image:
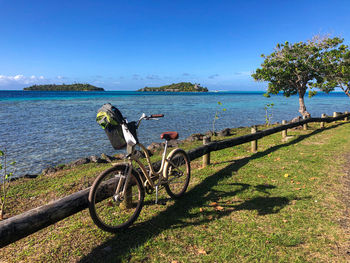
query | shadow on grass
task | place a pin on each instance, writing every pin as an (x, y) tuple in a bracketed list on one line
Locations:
[(180, 214)]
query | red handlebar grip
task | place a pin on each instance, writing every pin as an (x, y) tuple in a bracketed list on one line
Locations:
[(157, 115)]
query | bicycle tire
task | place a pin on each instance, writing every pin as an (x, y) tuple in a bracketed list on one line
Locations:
[(177, 173), (113, 215)]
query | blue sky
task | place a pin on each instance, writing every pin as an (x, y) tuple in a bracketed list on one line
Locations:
[(126, 45)]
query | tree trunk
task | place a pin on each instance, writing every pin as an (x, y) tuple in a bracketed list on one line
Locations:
[(302, 107), (346, 90), (2, 212)]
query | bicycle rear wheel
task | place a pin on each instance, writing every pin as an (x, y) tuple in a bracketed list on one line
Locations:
[(108, 209), (177, 171)]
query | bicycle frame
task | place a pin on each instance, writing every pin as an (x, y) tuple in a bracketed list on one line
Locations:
[(147, 174)]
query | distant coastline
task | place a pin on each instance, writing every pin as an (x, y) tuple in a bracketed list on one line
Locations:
[(177, 87), (64, 87)]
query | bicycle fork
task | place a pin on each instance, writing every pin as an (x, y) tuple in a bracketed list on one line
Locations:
[(122, 184)]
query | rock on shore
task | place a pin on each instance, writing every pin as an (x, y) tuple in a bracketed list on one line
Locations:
[(153, 147)]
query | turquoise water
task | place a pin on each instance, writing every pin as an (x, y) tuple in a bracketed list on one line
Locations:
[(40, 129)]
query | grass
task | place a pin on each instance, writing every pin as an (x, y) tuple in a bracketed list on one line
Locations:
[(281, 204)]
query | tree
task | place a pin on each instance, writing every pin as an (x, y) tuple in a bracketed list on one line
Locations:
[(268, 115), (338, 68), (294, 68), (217, 115), (5, 180)]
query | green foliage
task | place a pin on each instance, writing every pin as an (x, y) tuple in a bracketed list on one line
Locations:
[(294, 68), (268, 113), (178, 87), (312, 93), (216, 117), (6, 174), (64, 87), (266, 95), (338, 68)]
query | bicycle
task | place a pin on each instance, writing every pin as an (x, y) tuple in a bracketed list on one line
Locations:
[(117, 194)]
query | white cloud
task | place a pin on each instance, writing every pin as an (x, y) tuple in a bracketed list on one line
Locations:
[(61, 78), (244, 73), (9, 78), (18, 77), (19, 80), (213, 76), (153, 77), (98, 82), (136, 77)]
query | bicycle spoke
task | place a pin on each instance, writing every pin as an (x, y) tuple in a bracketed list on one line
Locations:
[(178, 173), (109, 209)]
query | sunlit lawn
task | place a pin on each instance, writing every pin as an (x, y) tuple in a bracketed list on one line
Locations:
[(281, 204)]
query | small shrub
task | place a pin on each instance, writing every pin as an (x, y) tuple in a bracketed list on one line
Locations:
[(268, 113), (217, 115), (6, 174)]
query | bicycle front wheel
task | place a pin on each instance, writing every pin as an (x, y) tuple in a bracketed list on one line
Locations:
[(109, 209), (177, 170)]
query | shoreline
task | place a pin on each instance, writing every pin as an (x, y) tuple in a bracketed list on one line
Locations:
[(152, 148)]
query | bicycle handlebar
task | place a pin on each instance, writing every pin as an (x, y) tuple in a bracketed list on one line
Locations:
[(153, 116), (157, 116)]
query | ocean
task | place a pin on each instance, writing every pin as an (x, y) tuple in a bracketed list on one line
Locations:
[(41, 129)]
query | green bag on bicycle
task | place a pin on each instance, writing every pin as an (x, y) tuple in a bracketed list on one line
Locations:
[(111, 120)]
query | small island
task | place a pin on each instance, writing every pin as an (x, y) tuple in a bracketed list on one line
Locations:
[(64, 87), (178, 87)]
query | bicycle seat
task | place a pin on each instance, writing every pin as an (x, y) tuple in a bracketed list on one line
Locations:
[(169, 136)]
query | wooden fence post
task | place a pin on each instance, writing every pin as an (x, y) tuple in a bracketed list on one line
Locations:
[(254, 147), (335, 114), (127, 202), (206, 157), (322, 123), (346, 118), (305, 125), (284, 132)]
